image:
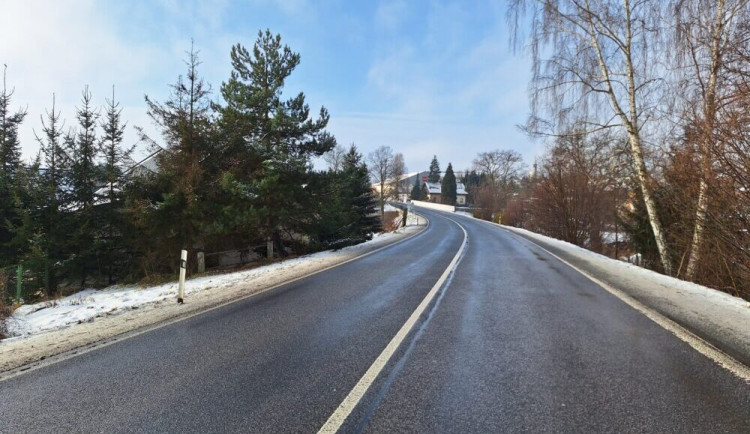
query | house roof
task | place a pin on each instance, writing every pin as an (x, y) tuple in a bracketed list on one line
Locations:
[(432, 187), (149, 163), (407, 175), (435, 188)]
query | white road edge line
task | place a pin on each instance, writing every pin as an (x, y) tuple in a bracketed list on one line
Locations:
[(699, 344), (351, 400), (86, 348)]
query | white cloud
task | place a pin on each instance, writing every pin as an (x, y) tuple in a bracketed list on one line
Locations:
[(58, 47), (448, 93), (433, 89)]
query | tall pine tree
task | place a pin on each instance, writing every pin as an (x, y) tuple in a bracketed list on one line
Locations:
[(416, 191), (362, 203), (274, 139)]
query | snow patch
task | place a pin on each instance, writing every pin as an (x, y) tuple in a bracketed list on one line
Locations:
[(86, 305)]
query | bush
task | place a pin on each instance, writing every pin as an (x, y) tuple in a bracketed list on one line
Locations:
[(391, 221)]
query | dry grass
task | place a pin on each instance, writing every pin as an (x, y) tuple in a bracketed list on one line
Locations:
[(391, 221)]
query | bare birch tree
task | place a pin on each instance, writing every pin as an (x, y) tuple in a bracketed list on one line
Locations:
[(398, 170), (707, 35), (500, 167), (335, 158), (601, 70), (380, 164)]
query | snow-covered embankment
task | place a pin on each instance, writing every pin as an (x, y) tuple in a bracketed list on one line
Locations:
[(43, 329)]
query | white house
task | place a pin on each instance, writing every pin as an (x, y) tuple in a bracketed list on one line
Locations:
[(433, 192)]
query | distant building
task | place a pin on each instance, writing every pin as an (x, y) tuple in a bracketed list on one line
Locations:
[(433, 193), (146, 167), (432, 190), (404, 185)]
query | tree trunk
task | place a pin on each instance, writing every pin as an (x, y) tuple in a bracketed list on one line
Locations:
[(630, 121), (700, 224), (709, 115), (653, 215)]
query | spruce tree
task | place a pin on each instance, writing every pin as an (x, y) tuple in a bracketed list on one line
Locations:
[(448, 186), (342, 206), (111, 249), (10, 146), (416, 191), (174, 210), (53, 224), (110, 146), (363, 205), (30, 240), (273, 140), (84, 181), (10, 166), (434, 175), (83, 154)]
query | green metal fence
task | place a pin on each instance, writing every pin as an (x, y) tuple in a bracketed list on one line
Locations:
[(19, 283)]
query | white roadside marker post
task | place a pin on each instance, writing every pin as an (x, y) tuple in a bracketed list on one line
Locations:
[(181, 287)]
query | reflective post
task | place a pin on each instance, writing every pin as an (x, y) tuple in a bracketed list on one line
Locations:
[(181, 288)]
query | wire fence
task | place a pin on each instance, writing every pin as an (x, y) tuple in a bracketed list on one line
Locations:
[(234, 257)]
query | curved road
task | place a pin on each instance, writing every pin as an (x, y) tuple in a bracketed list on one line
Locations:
[(513, 341)]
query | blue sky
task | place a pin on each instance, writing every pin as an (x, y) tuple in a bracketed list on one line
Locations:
[(424, 77)]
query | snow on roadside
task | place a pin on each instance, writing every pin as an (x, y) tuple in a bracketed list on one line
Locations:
[(465, 213), (641, 273), (86, 305), (637, 272), (718, 317)]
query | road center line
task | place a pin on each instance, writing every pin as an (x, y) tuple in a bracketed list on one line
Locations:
[(351, 400)]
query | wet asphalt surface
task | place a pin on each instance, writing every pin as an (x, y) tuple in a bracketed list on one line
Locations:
[(515, 342)]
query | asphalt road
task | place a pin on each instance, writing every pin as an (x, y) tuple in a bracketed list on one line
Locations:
[(514, 341)]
